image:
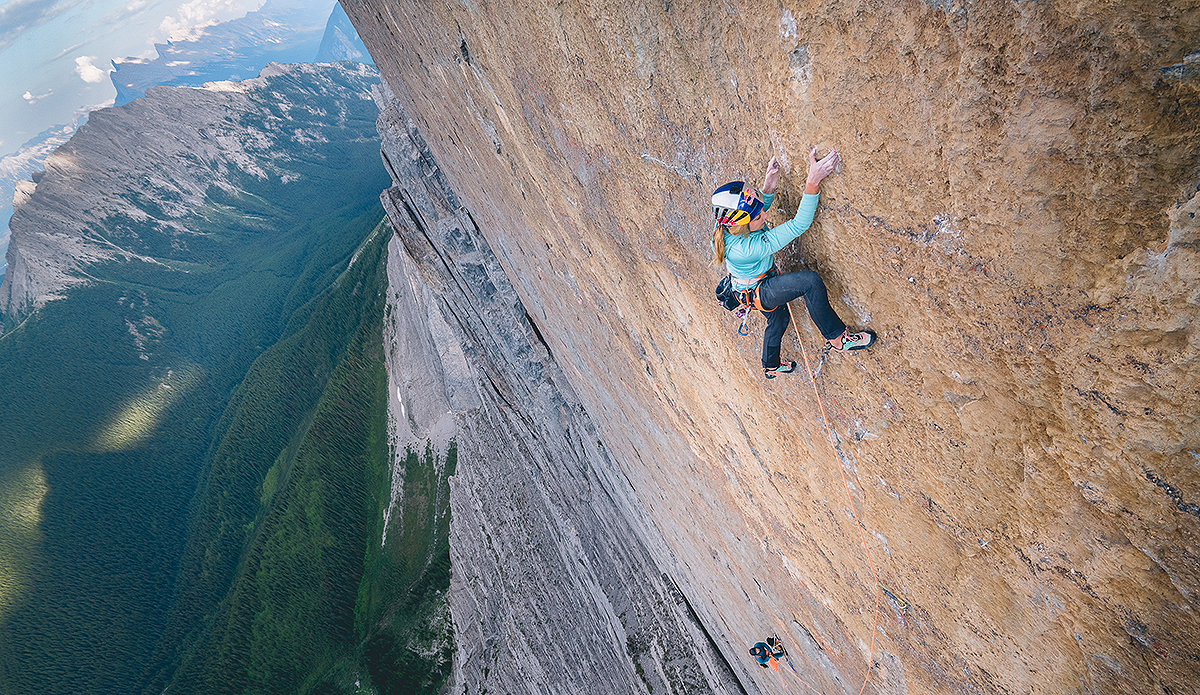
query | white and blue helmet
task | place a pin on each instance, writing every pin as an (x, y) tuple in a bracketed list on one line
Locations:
[(734, 204)]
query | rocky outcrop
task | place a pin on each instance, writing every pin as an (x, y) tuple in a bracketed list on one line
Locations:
[(1015, 216), (106, 195), (19, 165)]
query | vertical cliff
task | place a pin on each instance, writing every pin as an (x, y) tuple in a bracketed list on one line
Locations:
[(1015, 216), (554, 588)]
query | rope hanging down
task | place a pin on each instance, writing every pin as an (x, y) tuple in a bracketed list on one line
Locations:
[(853, 511)]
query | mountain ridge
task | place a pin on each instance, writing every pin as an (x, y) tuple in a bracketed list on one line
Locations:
[(68, 220), (114, 392)]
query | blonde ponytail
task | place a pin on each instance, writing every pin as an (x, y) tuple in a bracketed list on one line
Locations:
[(718, 243)]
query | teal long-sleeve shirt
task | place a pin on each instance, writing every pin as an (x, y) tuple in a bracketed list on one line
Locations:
[(750, 255)]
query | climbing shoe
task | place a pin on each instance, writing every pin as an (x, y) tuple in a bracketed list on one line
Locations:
[(848, 341), (787, 368)]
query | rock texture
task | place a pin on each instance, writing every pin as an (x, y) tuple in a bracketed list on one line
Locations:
[(19, 165), (553, 588), (1015, 216), (98, 194)]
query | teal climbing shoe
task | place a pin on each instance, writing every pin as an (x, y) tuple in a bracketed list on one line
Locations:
[(848, 341)]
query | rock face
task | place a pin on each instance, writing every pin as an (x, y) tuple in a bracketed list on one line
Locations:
[(554, 588), (1015, 216), (19, 165), (97, 195)]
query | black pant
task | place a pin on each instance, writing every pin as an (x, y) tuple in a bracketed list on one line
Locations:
[(777, 291)]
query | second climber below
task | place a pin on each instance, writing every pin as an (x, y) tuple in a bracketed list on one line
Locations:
[(746, 245)]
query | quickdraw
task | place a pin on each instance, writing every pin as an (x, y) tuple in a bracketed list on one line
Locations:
[(749, 299)]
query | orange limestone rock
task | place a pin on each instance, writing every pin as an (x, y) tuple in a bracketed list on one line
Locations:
[(1015, 215)]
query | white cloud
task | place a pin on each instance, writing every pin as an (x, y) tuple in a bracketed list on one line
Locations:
[(88, 72), (34, 98), (126, 11), (193, 17)]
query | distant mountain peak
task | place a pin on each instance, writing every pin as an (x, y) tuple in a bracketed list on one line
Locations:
[(341, 41), (234, 50)]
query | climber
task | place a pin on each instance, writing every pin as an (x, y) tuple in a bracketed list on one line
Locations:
[(767, 652), (743, 242)]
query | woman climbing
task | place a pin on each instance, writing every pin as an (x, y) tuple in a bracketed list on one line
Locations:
[(743, 242), (766, 652)]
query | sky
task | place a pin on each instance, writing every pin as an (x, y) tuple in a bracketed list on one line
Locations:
[(55, 55)]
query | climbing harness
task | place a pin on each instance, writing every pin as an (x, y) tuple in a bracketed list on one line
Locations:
[(853, 510), (747, 289), (748, 298), (777, 654)]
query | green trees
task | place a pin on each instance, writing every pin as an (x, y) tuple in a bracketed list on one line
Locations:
[(279, 536), (194, 453), (313, 597)]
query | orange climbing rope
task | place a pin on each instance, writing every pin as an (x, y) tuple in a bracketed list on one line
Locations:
[(853, 511)]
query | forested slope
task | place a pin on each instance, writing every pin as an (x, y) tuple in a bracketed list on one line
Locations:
[(197, 416)]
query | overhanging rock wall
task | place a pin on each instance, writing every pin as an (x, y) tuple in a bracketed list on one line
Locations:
[(1015, 216)]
